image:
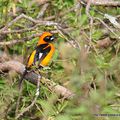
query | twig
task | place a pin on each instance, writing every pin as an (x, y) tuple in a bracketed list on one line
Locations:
[(42, 11), (19, 31), (33, 101), (20, 41), (27, 29), (87, 9), (91, 25), (27, 108), (91, 19), (104, 2), (68, 38), (47, 23), (15, 20), (18, 101), (63, 13), (12, 42), (118, 37)]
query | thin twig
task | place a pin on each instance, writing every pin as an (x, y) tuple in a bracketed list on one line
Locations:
[(19, 40), (34, 100), (19, 31), (13, 42), (63, 13), (16, 19), (118, 37), (42, 11), (104, 2), (18, 100), (68, 38), (91, 19), (47, 23), (27, 29), (27, 108)]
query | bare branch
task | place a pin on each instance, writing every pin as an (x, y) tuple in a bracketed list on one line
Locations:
[(47, 23), (16, 19), (19, 31), (27, 108), (111, 30), (33, 77), (104, 2), (17, 41), (68, 38), (63, 13), (42, 11), (11, 42)]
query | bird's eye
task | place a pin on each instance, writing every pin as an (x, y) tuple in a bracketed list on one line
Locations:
[(47, 38)]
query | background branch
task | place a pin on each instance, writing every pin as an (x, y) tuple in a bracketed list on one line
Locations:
[(104, 2)]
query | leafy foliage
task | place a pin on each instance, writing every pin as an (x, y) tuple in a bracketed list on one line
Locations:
[(75, 69)]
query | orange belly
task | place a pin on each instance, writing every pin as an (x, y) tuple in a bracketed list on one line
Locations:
[(47, 59)]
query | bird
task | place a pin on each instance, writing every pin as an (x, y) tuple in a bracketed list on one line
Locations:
[(41, 55)]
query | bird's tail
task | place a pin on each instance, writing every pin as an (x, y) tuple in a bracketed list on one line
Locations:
[(22, 78), (20, 90)]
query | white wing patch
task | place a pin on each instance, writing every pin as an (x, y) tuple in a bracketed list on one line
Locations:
[(40, 55)]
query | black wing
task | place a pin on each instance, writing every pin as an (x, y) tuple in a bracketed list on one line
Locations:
[(41, 52)]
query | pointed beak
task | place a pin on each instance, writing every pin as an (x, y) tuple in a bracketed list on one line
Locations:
[(52, 38)]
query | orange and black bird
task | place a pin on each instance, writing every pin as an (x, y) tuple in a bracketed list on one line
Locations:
[(41, 55)]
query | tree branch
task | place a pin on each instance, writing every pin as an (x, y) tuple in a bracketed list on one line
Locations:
[(47, 23), (32, 77), (104, 2), (42, 11)]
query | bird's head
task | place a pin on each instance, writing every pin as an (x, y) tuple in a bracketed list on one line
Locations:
[(46, 37)]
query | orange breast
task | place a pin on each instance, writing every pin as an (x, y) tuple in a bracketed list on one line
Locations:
[(47, 59)]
